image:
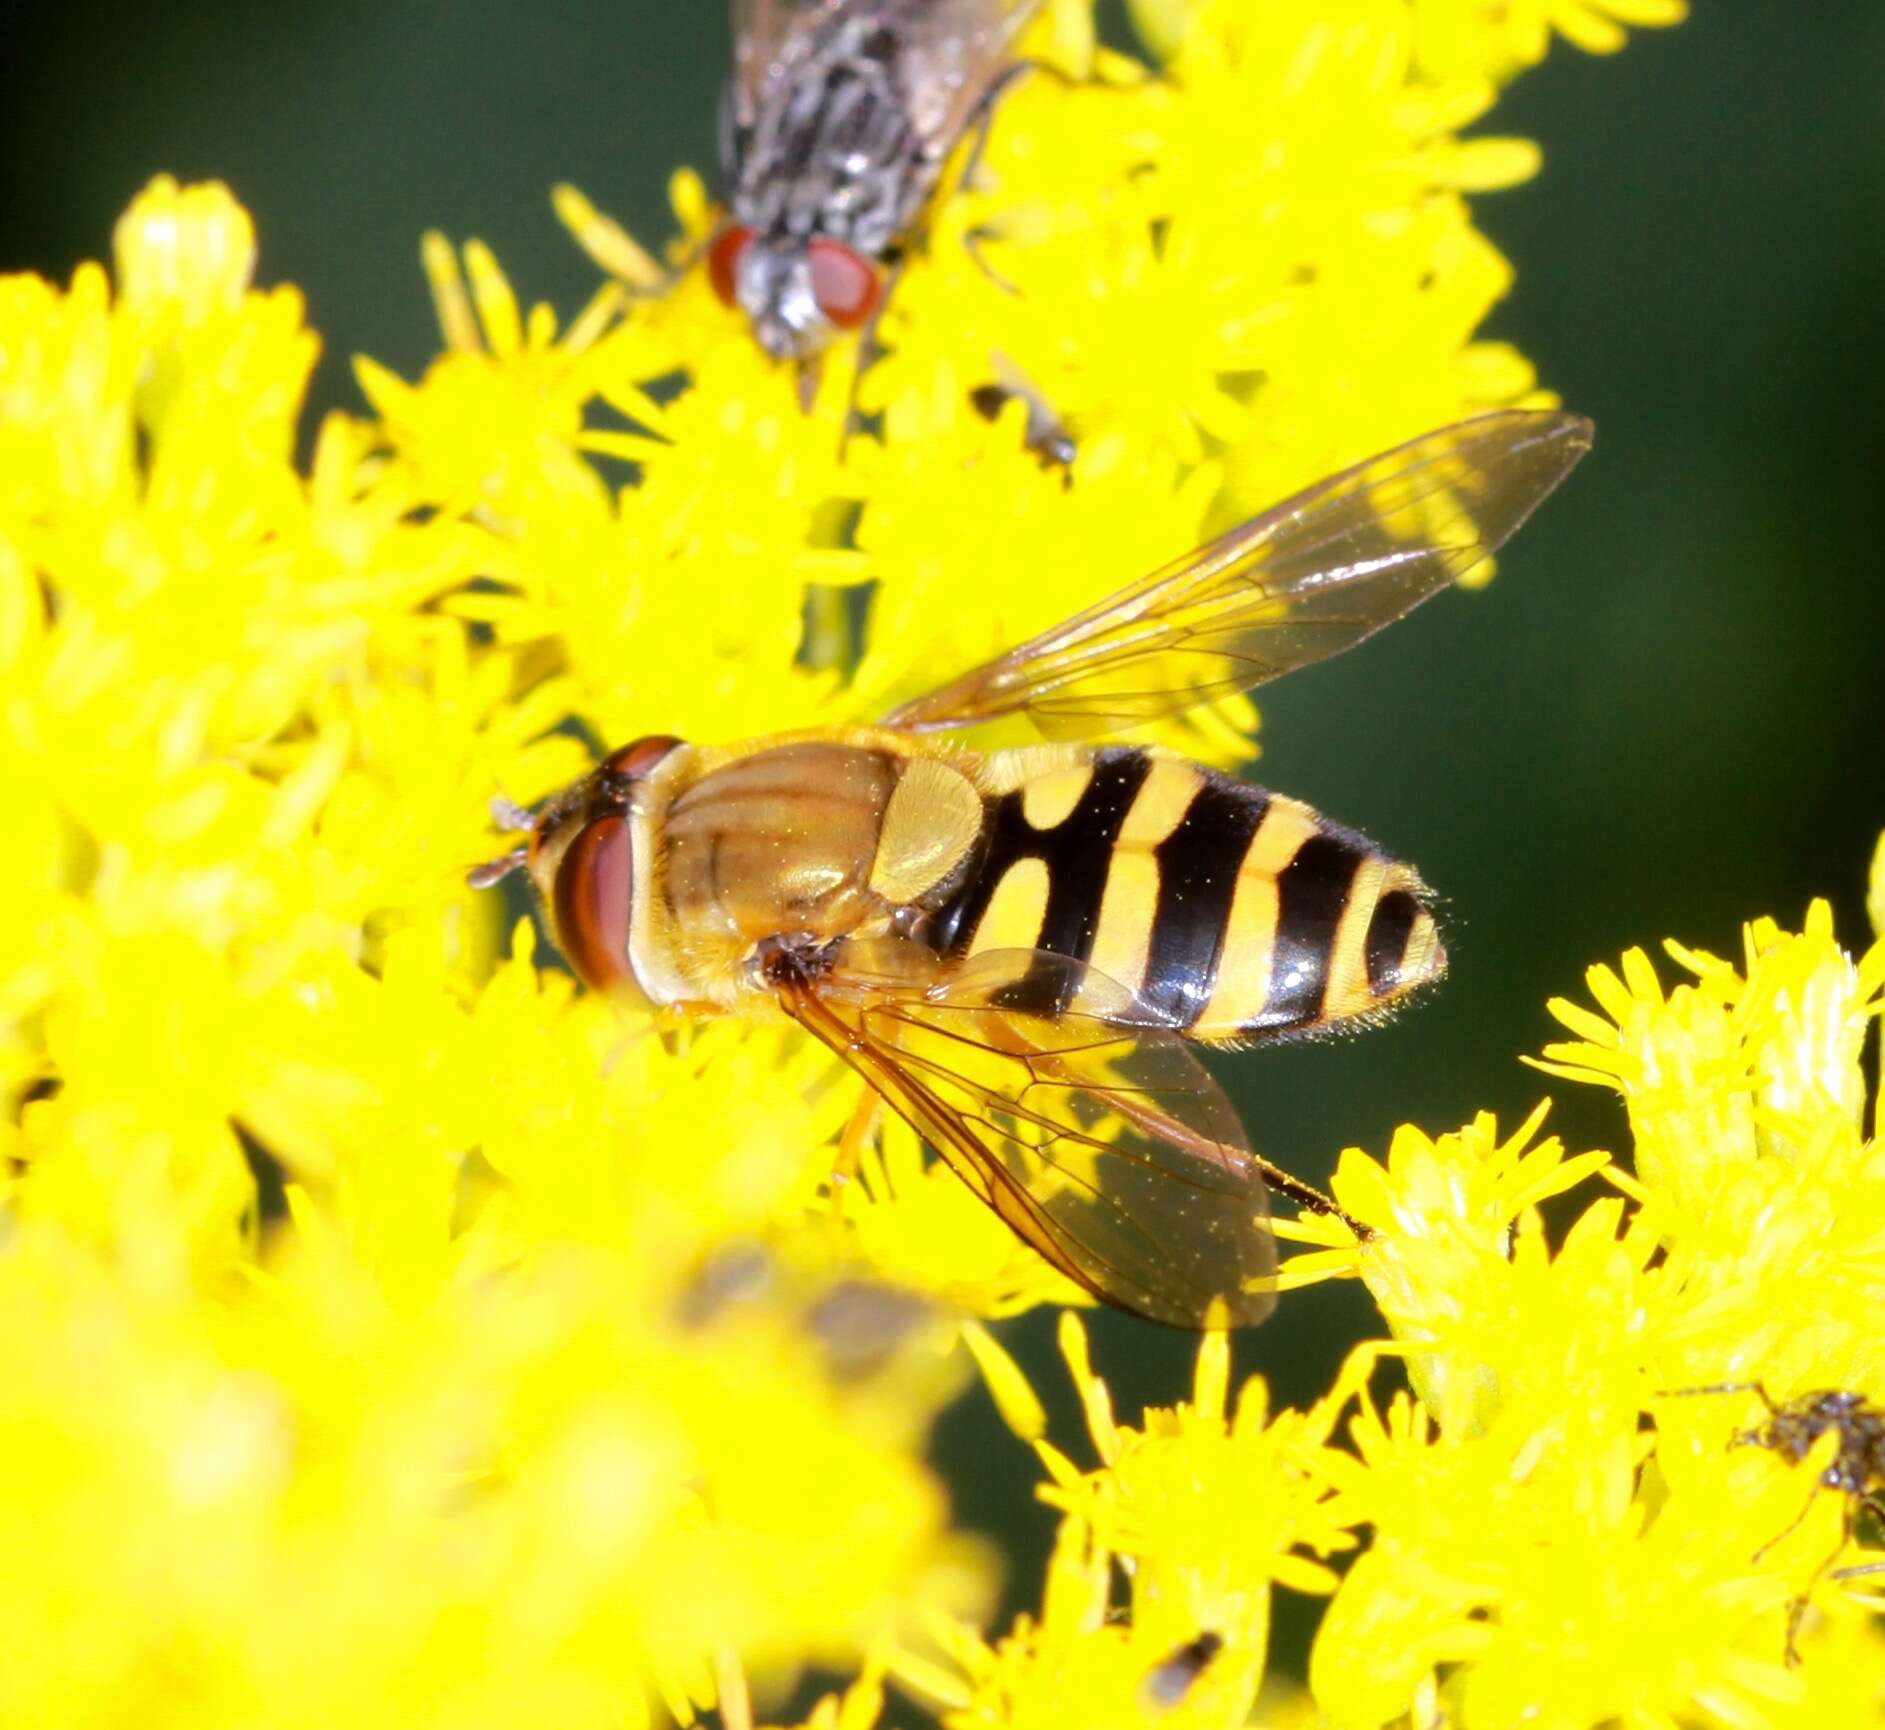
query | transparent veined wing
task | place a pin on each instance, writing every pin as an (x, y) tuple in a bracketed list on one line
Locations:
[(1305, 580), (952, 53), (1091, 1130), (770, 38)]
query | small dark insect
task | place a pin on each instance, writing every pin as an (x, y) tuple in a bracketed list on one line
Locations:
[(1171, 1679), (1856, 1470), (860, 1323), (1046, 434), (737, 1273), (834, 132)]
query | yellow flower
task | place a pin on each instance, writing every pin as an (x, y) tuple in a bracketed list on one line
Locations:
[(1561, 1528), (396, 1334), (1500, 38), (1875, 894)]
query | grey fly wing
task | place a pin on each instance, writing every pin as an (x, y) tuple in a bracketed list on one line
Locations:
[(952, 52), (770, 40)]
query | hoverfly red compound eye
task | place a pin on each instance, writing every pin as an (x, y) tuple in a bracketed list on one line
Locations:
[(594, 880), (723, 262), (844, 284), (641, 758)]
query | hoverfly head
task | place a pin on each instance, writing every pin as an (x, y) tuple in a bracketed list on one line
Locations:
[(580, 854)]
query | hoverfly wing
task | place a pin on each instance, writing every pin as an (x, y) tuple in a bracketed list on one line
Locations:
[(1305, 580), (1092, 1131)]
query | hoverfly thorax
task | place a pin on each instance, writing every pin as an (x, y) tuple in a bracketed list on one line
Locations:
[(588, 855)]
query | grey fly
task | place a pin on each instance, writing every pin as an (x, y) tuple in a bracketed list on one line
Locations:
[(836, 125)]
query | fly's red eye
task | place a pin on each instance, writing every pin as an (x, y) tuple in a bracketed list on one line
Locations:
[(723, 261), (594, 880), (844, 285), (641, 758)]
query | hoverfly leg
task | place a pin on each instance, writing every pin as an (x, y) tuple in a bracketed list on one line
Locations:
[(857, 1136), (1307, 1196)]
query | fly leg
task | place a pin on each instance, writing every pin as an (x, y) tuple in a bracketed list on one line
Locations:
[(982, 115), (869, 351), (1856, 1572), (1796, 1613), (1047, 436), (981, 120)]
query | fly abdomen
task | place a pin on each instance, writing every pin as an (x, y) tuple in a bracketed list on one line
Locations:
[(1232, 912)]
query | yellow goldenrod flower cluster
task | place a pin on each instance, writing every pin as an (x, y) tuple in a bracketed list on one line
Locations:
[(1557, 1527), (393, 1334)]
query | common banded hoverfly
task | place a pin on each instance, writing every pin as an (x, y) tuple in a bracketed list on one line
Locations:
[(1017, 948), (834, 132)]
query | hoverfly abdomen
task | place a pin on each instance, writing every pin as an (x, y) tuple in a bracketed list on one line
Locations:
[(1041, 875), (1228, 911), (1336, 932)]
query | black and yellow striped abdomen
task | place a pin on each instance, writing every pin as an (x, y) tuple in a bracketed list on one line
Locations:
[(1235, 912)]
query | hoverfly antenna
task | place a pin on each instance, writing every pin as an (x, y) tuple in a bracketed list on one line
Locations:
[(511, 817), (494, 871)]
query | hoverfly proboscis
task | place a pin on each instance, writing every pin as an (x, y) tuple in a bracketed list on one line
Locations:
[(1017, 948)]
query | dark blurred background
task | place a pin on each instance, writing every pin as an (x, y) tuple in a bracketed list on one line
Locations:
[(1665, 718)]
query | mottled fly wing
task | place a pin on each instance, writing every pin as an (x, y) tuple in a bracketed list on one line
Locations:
[(771, 39), (948, 52), (954, 52)]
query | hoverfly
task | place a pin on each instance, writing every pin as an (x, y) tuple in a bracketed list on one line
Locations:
[(834, 132), (1016, 948)]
